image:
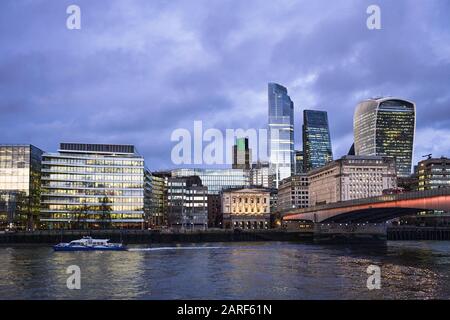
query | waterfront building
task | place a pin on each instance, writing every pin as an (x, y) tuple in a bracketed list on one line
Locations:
[(246, 208), (316, 140), (215, 217), (20, 185), (94, 186), (351, 177), (299, 162), (433, 173), (158, 205), (242, 154), (293, 193), (385, 127), (217, 179), (260, 175), (187, 203), (281, 132)]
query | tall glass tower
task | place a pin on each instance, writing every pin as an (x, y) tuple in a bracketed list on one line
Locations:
[(316, 140), (281, 133), (385, 127)]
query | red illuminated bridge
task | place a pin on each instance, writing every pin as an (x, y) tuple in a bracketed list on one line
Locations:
[(374, 210)]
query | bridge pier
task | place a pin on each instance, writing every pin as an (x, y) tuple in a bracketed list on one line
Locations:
[(348, 232)]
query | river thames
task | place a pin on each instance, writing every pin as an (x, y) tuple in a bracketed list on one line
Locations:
[(261, 270)]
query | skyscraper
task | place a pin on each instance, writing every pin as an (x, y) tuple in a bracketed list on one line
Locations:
[(316, 140), (241, 154), (385, 127), (281, 133)]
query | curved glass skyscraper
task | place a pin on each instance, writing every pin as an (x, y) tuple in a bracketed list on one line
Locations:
[(385, 127), (281, 133)]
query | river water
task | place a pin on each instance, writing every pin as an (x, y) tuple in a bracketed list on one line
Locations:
[(266, 270)]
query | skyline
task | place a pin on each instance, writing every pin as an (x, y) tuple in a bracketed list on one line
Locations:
[(137, 71)]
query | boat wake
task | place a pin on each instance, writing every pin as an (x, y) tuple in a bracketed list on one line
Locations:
[(173, 248)]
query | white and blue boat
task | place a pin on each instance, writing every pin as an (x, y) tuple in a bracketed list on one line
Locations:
[(89, 244)]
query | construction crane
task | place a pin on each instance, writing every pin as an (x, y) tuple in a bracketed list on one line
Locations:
[(429, 156)]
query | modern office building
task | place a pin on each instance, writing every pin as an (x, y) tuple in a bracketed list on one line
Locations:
[(299, 162), (293, 193), (260, 175), (385, 127), (246, 208), (20, 185), (217, 179), (351, 177), (158, 204), (187, 203), (316, 140), (242, 154), (94, 186), (434, 173), (281, 132)]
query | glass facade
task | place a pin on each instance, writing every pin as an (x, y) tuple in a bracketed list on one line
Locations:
[(20, 179), (217, 179), (94, 186), (281, 133), (158, 206), (316, 140), (385, 127)]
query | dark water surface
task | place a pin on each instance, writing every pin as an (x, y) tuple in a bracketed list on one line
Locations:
[(269, 270)]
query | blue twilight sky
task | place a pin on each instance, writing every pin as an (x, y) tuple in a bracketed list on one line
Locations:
[(137, 70)]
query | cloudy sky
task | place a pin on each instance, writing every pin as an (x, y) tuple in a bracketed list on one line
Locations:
[(137, 70)]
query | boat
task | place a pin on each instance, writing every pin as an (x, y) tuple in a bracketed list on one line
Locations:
[(89, 244)]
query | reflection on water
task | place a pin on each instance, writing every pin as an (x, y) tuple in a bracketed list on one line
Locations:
[(410, 270)]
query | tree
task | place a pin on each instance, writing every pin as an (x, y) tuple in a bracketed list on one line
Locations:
[(81, 215)]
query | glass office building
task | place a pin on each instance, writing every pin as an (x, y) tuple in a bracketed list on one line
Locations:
[(20, 179), (94, 186), (158, 203), (281, 133), (385, 127), (316, 140), (217, 179)]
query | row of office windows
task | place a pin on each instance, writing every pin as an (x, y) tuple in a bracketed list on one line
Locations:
[(93, 162), (90, 177), (99, 185)]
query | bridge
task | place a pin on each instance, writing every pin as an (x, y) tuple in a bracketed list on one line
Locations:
[(373, 210)]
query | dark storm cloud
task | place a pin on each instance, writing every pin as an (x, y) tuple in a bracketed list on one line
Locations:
[(137, 70)]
